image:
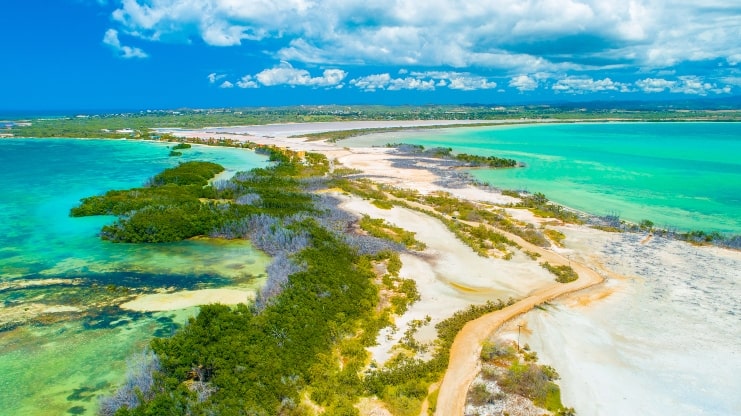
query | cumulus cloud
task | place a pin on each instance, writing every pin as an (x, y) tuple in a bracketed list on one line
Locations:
[(213, 77), (127, 52), (733, 80), (371, 83), (540, 35), (247, 82), (226, 84), (423, 81), (409, 83), (691, 85), (583, 85), (660, 39), (523, 83), (470, 83), (286, 74), (654, 84)]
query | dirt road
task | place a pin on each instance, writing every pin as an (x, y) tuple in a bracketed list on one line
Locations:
[(464, 362)]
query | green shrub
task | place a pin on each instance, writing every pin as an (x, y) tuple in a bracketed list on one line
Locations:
[(563, 273)]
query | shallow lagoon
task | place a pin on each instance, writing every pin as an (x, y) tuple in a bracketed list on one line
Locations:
[(683, 175), (663, 338), (64, 341)]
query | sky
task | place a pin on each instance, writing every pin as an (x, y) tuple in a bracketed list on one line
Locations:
[(167, 54)]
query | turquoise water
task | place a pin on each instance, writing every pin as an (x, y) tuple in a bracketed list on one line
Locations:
[(678, 175), (63, 340)]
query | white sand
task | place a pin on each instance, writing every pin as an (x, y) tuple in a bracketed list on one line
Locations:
[(661, 339), (449, 275), (664, 339), (158, 302)]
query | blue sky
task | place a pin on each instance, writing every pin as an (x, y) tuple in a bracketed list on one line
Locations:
[(155, 54)]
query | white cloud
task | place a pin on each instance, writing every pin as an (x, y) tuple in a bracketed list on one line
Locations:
[(690, 84), (371, 83), (470, 83), (651, 85), (127, 52), (247, 82), (458, 80), (424, 81), (286, 74), (409, 83), (517, 36), (515, 39), (213, 77), (226, 84), (734, 80), (523, 83), (583, 85)]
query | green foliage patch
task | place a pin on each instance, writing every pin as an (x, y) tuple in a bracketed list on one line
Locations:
[(378, 227), (516, 372), (169, 209), (563, 273), (404, 382), (539, 205)]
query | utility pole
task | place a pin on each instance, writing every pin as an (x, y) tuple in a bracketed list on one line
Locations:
[(518, 336)]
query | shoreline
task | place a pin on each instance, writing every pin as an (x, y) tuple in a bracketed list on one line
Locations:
[(696, 234), (673, 232), (378, 164)]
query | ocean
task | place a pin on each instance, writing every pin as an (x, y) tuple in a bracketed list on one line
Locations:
[(63, 340), (683, 176)]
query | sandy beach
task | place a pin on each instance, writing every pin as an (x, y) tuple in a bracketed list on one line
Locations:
[(158, 302), (451, 276)]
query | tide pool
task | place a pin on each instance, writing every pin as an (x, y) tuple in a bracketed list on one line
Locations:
[(63, 339), (684, 176)]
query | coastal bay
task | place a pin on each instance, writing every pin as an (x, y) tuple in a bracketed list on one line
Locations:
[(682, 176), (64, 340), (383, 166)]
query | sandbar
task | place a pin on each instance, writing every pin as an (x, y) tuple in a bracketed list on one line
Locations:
[(158, 302)]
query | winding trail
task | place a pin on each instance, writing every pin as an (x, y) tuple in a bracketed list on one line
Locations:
[(464, 362)]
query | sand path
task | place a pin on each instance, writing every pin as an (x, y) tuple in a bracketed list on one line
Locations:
[(464, 362)]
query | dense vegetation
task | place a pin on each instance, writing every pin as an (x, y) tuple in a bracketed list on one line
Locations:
[(168, 209), (404, 383), (259, 362), (563, 273), (447, 153), (302, 343), (539, 205), (516, 372), (253, 359), (177, 147), (377, 227)]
